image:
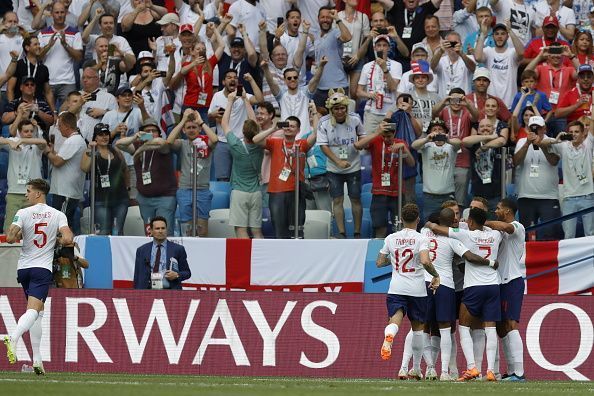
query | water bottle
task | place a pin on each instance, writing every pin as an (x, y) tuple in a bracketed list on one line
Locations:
[(26, 369), (177, 228), (114, 227)]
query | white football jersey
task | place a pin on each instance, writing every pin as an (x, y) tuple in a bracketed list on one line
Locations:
[(484, 243), (39, 224), (511, 250), (403, 248), (441, 252)]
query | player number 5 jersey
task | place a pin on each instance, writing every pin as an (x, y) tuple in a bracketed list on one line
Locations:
[(403, 248), (39, 224)]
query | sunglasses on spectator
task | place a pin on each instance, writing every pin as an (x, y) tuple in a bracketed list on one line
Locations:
[(291, 78)]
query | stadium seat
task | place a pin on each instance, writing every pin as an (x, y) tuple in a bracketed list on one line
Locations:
[(510, 191), (366, 200), (365, 169), (220, 200), (220, 186), (349, 225), (85, 221), (134, 225), (366, 225), (366, 187), (218, 224), (317, 224)]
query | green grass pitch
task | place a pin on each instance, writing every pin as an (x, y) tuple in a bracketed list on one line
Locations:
[(81, 384)]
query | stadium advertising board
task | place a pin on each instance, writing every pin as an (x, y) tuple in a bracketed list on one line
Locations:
[(266, 333)]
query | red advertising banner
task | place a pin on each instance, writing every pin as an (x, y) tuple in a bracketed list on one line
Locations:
[(266, 333)]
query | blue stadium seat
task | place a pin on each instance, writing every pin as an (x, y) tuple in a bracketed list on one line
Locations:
[(220, 186), (86, 194), (366, 200), (3, 191), (220, 200), (511, 191), (365, 169), (349, 225), (366, 187), (419, 198), (366, 225)]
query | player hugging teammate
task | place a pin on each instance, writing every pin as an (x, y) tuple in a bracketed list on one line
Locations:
[(492, 292)]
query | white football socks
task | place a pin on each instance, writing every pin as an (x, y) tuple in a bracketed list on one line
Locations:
[(23, 325), (467, 346), (491, 334), (427, 353), (453, 354), (517, 349), (478, 342), (407, 350), (435, 346), (417, 348), (446, 348), (391, 329), (36, 332), (509, 357)]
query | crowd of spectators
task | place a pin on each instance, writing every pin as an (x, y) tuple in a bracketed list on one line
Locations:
[(341, 87)]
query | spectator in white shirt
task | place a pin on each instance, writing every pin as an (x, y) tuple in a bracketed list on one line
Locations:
[(378, 84), (61, 48), (455, 69), (96, 102), (575, 149), (11, 39), (67, 178), (537, 179)]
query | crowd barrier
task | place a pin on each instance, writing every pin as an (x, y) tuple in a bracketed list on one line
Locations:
[(264, 334), (555, 267)]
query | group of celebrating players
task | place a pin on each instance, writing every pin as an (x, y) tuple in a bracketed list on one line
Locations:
[(456, 270)]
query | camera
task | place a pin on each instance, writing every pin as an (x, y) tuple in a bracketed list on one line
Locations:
[(380, 54), (534, 128), (162, 73), (453, 44), (556, 50), (282, 124), (146, 136), (64, 251), (440, 138), (566, 137), (239, 90), (390, 127), (92, 96), (279, 21), (382, 30)]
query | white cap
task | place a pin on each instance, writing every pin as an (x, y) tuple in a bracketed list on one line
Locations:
[(481, 72), (145, 54), (417, 46), (169, 18), (536, 120)]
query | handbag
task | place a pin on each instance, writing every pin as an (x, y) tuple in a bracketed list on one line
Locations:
[(319, 182), (305, 191)]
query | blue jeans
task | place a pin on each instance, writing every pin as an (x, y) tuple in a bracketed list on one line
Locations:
[(432, 203), (573, 204), (532, 210), (282, 213), (105, 215), (222, 161), (150, 207)]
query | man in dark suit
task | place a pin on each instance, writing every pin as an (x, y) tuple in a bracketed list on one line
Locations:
[(160, 264)]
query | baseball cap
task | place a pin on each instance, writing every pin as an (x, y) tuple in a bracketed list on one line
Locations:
[(27, 79), (550, 20), (101, 128), (384, 37), (150, 122), (481, 72), (237, 42), (123, 90), (420, 46), (145, 55), (186, 28), (169, 18), (536, 120), (585, 69), (500, 26)]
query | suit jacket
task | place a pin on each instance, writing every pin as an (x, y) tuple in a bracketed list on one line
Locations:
[(143, 266)]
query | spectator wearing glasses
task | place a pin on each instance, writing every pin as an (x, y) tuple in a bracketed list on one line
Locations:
[(30, 106), (111, 176), (155, 177)]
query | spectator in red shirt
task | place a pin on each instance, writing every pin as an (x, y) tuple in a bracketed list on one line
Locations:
[(550, 30), (582, 47), (577, 102), (198, 75), (283, 166), (384, 149)]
